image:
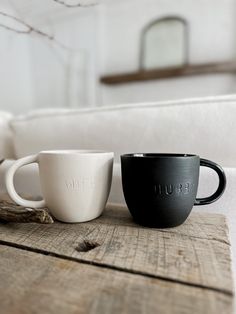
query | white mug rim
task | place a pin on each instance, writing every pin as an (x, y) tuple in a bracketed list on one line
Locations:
[(83, 152)]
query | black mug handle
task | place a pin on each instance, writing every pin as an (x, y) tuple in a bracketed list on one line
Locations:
[(222, 183)]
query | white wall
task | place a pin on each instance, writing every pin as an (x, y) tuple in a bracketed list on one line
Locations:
[(15, 81), (167, 89), (36, 72), (212, 26), (105, 39), (211, 23), (65, 76)]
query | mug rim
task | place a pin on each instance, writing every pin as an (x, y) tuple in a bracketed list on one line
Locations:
[(83, 152), (158, 155)]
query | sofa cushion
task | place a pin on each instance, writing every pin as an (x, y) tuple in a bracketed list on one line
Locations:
[(204, 126)]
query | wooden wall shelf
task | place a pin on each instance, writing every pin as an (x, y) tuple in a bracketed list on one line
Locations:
[(145, 75)]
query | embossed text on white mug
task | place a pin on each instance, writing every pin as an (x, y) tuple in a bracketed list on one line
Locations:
[(79, 184)]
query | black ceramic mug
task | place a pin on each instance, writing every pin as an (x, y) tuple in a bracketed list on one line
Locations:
[(160, 189)]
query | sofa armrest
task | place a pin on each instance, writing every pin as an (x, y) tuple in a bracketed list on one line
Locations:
[(6, 136)]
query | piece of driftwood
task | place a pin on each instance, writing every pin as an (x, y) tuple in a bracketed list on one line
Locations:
[(10, 212)]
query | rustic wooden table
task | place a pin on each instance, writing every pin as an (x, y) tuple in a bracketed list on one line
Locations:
[(112, 265)]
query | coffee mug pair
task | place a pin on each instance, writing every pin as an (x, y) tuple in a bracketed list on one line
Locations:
[(160, 189)]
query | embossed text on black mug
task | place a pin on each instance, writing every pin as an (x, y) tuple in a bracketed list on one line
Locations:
[(169, 189)]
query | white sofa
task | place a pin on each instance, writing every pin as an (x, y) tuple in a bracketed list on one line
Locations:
[(205, 126)]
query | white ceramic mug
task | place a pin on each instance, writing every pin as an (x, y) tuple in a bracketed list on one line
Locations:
[(75, 183)]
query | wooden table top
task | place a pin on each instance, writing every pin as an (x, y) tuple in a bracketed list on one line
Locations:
[(112, 265)]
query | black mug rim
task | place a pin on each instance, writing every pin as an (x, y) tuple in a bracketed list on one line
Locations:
[(158, 155)]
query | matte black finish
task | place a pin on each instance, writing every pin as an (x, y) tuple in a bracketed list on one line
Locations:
[(160, 189)]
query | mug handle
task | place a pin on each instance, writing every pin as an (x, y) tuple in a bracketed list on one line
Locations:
[(10, 185), (222, 183)]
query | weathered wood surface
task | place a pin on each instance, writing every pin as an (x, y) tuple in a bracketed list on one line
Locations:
[(128, 268), (10, 212), (197, 252), (46, 284)]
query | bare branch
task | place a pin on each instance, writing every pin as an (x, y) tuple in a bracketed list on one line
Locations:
[(75, 5), (28, 28)]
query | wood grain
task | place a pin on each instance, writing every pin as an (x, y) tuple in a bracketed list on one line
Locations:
[(35, 283), (194, 254)]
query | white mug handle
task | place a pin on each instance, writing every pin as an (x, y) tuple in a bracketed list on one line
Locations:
[(10, 185)]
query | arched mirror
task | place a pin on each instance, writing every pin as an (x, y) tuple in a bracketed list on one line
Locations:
[(164, 44)]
